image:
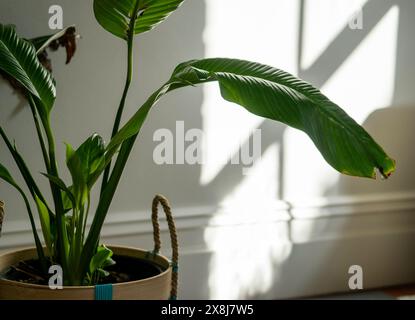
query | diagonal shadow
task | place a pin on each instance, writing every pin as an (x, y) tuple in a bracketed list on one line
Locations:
[(230, 176), (318, 74), (343, 45)]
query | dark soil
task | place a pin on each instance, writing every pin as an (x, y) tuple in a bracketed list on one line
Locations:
[(126, 269)]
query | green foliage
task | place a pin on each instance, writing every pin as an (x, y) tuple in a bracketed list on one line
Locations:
[(99, 262), (262, 90), (18, 59), (121, 17), (6, 176)]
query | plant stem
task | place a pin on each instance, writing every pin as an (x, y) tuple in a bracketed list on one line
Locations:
[(130, 65), (86, 218), (62, 236), (109, 184), (39, 133), (109, 191)]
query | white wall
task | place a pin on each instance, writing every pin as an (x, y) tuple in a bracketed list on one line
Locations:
[(239, 236)]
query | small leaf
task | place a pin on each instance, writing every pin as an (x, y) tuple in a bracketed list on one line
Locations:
[(118, 16), (101, 259)]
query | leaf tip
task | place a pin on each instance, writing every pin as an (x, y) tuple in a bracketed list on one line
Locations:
[(387, 171)]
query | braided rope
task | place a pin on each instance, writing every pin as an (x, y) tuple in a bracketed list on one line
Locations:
[(173, 237), (1, 214)]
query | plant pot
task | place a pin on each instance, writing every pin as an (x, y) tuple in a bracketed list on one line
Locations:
[(159, 287), (154, 288)]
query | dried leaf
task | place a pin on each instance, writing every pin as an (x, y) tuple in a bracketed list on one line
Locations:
[(68, 40)]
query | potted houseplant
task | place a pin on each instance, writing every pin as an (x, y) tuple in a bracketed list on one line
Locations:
[(90, 269)]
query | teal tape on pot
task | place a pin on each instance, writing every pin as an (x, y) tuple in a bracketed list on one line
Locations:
[(103, 292), (174, 267)]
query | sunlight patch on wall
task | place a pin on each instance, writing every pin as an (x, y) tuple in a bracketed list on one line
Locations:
[(250, 241), (362, 84), (251, 223), (366, 81), (323, 21), (236, 29), (247, 259), (258, 190)]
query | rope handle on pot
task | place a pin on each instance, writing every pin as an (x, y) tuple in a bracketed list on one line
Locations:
[(1, 214), (159, 199)]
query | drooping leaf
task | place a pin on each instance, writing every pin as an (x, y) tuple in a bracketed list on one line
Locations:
[(277, 95), (18, 59), (267, 92), (119, 17)]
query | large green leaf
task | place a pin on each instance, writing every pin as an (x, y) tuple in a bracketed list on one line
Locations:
[(267, 92), (124, 17), (277, 95), (18, 59)]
